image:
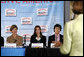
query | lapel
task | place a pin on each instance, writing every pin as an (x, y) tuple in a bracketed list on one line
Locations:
[(54, 37), (39, 40), (61, 38)]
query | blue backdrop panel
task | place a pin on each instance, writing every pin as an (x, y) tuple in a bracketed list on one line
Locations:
[(54, 15)]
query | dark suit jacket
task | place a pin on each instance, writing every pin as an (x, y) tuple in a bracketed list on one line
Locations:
[(42, 40), (2, 41), (52, 38)]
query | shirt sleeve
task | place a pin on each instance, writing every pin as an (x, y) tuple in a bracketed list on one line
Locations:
[(20, 41), (66, 46), (10, 40)]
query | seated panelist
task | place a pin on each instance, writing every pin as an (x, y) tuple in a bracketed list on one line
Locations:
[(37, 36), (2, 41), (15, 38), (57, 38)]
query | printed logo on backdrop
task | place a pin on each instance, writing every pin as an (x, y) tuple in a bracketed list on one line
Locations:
[(42, 11), (7, 28), (44, 28), (10, 12), (26, 20)]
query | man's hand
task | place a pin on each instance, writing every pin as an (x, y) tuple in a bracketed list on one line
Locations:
[(57, 44), (54, 42)]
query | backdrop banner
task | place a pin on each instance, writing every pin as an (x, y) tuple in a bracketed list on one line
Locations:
[(27, 14)]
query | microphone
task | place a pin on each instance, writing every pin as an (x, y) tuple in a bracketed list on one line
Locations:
[(24, 40)]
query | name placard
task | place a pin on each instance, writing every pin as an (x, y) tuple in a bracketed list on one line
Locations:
[(10, 45), (37, 45), (52, 45)]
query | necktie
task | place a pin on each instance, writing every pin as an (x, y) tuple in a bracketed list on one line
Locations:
[(56, 38)]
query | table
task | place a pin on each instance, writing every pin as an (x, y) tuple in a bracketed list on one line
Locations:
[(12, 51), (42, 52), (53, 52), (27, 51), (35, 52)]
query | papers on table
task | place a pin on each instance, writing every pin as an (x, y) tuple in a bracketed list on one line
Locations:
[(37, 45), (52, 46), (10, 45)]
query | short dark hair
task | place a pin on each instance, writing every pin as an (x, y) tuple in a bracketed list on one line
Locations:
[(13, 26), (57, 25)]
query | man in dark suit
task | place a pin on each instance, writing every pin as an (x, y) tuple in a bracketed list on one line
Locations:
[(2, 41), (57, 38)]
